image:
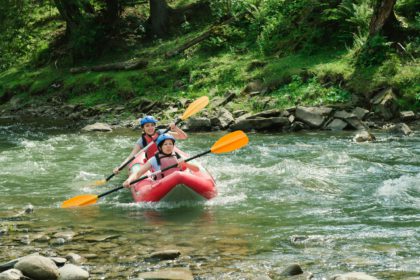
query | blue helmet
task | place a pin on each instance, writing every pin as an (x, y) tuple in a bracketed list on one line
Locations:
[(147, 119), (162, 138)]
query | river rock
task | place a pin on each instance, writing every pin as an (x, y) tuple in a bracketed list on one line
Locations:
[(222, 119), (360, 113), (268, 114), (198, 124), (336, 124), (407, 116), (11, 274), (276, 123), (98, 127), (28, 209), (74, 258), (313, 116), (38, 267), (8, 265), (58, 260), (100, 238), (72, 272), (399, 129), (169, 274), (239, 113), (165, 255), (66, 235), (364, 136), (385, 103), (353, 276), (293, 269), (298, 126)]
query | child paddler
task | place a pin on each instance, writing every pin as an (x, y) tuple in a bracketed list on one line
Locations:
[(150, 134), (165, 157)]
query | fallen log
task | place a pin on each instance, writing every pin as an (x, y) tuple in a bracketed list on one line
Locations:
[(200, 38), (131, 64)]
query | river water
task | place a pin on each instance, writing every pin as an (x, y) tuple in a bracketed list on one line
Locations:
[(313, 198)]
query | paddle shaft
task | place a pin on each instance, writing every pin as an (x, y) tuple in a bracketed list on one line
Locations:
[(144, 177), (142, 150)]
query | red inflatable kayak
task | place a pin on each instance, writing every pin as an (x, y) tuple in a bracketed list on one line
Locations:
[(176, 187)]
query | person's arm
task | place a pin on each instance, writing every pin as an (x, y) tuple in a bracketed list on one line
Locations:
[(177, 132), (183, 165), (143, 169), (135, 150)]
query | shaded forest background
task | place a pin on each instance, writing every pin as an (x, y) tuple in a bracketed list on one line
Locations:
[(304, 52)]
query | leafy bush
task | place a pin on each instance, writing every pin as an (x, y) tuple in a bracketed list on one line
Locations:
[(309, 92), (373, 52), (408, 8)]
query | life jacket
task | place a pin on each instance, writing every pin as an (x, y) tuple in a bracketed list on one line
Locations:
[(146, 139), (165, 161)]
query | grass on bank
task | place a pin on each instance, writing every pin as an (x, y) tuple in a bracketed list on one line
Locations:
[(326, 76)]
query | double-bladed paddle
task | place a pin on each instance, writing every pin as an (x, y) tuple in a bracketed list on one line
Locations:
[(227, 143), (192, 109)]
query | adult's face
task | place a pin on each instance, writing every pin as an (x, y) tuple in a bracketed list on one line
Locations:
[(149, 128)]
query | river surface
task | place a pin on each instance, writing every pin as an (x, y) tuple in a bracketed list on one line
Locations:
[(313, 198)]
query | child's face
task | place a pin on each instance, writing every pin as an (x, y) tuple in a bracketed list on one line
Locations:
[(167, 146), (149, 128)]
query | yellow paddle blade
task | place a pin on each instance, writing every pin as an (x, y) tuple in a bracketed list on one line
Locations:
[(230, 142), (80, 200), (99, 183), (195, 107)]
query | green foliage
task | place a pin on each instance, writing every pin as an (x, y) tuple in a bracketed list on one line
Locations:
[(299, 47), (373, 52), (86, 39), (22, 30), (309, 92), (357, 14), (408, 8)]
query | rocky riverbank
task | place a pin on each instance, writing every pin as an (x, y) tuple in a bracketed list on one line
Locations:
[(54, 253), (382, 113)]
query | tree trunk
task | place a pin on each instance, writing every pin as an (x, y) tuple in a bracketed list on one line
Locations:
[(159, 17), (383, 19), (112, 11), (70, 12)]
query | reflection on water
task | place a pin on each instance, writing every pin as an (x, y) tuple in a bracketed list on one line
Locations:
[(317, 199)]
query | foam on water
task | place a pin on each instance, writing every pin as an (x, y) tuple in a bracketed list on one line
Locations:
[(401, 191)]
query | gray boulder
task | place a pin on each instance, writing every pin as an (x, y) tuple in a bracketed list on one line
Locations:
[(97, 127), (336, 124), (275, 123), (170, 274), (407, 116), (198, 124), (72, 272), (364, 136), (11, 274), (313, 116), (399, 129), (353, 276), (38, 268), (166, 255), (222, 119), (385, 103), (360, 113)]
